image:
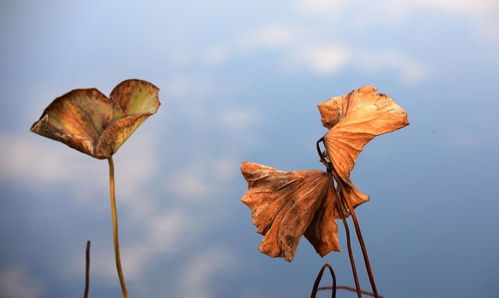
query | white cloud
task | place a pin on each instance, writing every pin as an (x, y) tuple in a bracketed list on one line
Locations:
[(482, 15), (164, 234), (217, 55), (202, 178), (270, 37), (317, 49), (459, 6), (42, 164), (408, 68), (326, 7), (136, 163), (239, 126), (202, 101), (189, 86), (199, 273), (190, 182), (238, 118), (321, 58), (305, 50), (227, 168), (394, 7), (17, 283), (37, 163), (213, 117)]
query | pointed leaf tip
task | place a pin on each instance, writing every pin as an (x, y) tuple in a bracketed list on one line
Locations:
[(353, 120)]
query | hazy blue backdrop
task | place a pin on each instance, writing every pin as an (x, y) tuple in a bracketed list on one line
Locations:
[(240, 80)]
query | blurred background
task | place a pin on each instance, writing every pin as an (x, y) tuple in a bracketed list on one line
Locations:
[(241, 80)]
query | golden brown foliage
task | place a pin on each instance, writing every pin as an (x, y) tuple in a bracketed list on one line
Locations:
[(353, 120), (88, 121), (286, 205)]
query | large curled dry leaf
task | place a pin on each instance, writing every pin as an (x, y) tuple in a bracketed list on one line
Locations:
[(353, 120), (88, 121), (286, 205)]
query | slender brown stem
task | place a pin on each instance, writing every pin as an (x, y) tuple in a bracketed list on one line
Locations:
[(341, 185), (364, 250), (352, 259), (341, 208), (358, 231), (318, 281), (115, 228), (87, 270), (348, 289)]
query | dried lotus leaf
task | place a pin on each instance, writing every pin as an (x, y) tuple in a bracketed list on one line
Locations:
[(362, 115), (86, 120), (287, 204), (353, 120)]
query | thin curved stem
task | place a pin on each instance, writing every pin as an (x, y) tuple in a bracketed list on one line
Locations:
[(87, 270), (358, 231), (115, 228), (318, 281), (348, 289), (364, 250), (352, 259), (340, 182)]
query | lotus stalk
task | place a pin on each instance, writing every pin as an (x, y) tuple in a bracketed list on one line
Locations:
[(88, 121)]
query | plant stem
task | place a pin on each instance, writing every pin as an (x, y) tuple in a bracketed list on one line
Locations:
[(364, 250), (115, 228), (358, 231), (348, 289), (318, 281), (341, 184), (352, 259), (87, 270)]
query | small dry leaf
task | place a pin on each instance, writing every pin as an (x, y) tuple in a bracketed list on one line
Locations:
[(88, 121), (353, 120), (286, 205)]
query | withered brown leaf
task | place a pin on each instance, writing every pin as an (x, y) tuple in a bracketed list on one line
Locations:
[(88, 121), (288, 204), (353, 120)]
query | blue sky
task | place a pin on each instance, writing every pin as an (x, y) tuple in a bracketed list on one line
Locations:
[(241, 81)]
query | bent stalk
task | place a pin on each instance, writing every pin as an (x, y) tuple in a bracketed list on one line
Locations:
[(364, 250), (115, 228), (352, 260), (348, 289), (358, 231), (318, 281), (331, 171)]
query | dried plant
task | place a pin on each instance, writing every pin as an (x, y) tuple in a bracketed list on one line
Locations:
[(88, 121), (286, 205), (353, 120)]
